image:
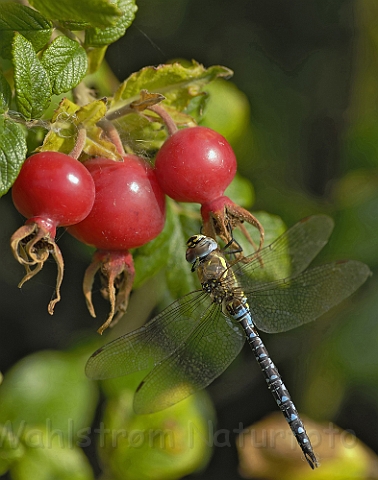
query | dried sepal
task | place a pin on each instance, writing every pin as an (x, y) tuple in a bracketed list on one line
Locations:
[(221, 216), (116, 269), (31, 246)]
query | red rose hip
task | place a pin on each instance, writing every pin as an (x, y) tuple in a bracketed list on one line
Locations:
[(52, 189), (195, 165), (129, 211)]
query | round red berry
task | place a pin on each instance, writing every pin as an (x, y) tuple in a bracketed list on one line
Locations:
[(195, 165), (129, 208), (54, 187)]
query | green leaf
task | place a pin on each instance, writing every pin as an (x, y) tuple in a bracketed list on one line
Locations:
[(178, 83), (98, 13), (31, 24), (64, 128), (63, 131), (96, 37), (182, 88), (95, 57), (33, 89), (180, 278), (5, 94), (150, 258), (12, 152), (66, 64), (96, 144)]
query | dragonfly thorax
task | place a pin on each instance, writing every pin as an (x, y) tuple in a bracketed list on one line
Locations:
[(219, 281)]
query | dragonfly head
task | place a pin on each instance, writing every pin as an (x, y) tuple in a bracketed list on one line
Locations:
[(199, 247)]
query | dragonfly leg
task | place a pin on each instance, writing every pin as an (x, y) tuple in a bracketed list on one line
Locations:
[(279, 391)]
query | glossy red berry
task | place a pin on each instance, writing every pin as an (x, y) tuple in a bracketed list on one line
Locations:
[(54, 187), (129, 211), (129, 208), (195, 165)]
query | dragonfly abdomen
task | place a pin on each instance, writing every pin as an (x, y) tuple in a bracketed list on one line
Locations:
[(277, 387)]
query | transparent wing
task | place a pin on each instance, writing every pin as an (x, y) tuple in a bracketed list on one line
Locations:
[(149, 344), (286, 304), (289, 255), (204, 356)]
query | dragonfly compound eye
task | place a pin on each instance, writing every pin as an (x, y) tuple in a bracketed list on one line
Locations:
[(199, 246)]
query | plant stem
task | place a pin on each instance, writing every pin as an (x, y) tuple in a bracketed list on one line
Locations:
[(80, 142), (112, 134), (167, 119)]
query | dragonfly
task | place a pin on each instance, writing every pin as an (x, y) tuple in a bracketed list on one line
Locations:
[(195, 339)]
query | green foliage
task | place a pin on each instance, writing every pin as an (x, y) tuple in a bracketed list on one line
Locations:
[(51, 404), (49, 52), (11, 449), (5, 94), (234, 105), (43, 68), (153, 446), (46, 458), (96, 13), (99, 37), (31, 79), (46, 402), (66, 64), (184, 99), (28, 22), (12, 152)]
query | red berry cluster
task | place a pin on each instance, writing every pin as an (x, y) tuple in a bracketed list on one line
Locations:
[(119, 205), (113, 206)]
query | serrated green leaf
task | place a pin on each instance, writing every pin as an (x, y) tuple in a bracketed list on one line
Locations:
[(66, 64), (33, 89), (12, 152), (31, 24), (96, 37), (5, 94), (98, 13), (178, 83)]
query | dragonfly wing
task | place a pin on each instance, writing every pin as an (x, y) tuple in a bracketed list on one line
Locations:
[(203, 357), (286, 304), (149, 344), (289, 255)]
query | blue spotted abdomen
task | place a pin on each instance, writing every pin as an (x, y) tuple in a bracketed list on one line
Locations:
[(275, 383)]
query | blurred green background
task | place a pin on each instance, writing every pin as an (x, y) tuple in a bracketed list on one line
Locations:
[(306, 135)]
